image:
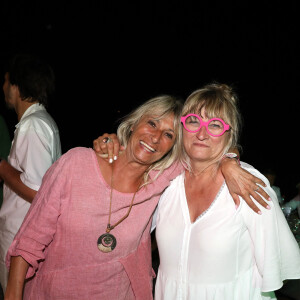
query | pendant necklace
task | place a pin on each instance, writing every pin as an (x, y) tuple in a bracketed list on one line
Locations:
[(107, 242)]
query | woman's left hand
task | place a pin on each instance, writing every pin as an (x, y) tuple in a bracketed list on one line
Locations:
[(242, 183)]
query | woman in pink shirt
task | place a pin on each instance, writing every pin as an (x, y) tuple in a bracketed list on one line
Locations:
[(87, 233)]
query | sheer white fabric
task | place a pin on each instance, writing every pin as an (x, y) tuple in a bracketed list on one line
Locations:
[(227, 253)]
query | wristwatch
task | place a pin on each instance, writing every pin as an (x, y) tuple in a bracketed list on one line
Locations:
[(232, 155)]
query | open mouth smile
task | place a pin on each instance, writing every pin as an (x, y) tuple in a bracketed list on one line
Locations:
[(147, 147)]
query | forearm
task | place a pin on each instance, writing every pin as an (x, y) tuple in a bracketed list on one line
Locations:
[(16, 278), (11, 177)]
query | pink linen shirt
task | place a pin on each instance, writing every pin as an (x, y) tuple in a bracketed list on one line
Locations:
[(59, 235)]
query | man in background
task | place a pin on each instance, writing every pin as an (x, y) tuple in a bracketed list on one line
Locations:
[(5, 144), (35, 146)]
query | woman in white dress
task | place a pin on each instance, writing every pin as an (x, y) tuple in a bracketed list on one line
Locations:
[(210, 249)]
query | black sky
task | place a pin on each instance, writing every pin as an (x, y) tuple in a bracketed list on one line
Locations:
[(110, 56)]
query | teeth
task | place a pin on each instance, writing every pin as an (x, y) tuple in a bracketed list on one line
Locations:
[(147, 146)]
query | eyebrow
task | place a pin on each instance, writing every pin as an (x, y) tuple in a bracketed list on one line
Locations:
[(169, 129)]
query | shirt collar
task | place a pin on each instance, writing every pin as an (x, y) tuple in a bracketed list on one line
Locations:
[(30, 110)]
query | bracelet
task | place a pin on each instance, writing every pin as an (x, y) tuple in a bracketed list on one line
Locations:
[(232, 155)]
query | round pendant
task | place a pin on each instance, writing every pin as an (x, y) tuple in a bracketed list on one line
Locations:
[(106, 242)]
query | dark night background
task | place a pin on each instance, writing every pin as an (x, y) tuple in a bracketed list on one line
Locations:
[(109, 56)]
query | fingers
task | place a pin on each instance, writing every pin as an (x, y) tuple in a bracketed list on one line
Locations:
[(257, 191), (236, 200), (251, 204), (253, 193), (260, 198), (113, 147), (97, 144), (110, 150), (107, 146), (263, 193), (258, 194), (258, 181)]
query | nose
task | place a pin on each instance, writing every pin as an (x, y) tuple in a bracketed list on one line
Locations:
[(156, 136), (202, 133)]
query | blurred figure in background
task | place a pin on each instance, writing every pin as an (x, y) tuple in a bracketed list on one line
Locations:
[(271, 176), (295, 202)]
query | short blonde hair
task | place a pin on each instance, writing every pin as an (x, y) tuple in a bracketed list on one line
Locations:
[(160, 107), (219, 101)]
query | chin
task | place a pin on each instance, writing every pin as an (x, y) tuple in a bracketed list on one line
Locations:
[(146, 160)]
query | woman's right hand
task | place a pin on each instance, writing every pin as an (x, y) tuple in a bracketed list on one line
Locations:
[(110, 148)]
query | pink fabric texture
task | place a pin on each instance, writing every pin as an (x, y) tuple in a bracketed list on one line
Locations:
[(58, 237)]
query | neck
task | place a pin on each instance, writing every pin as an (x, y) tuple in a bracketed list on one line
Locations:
[(131, 168), (21, 107), (200, 168), (127, 176), (205, 175)]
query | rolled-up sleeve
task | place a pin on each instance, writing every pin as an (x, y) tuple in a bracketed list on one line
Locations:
[(39, 225)]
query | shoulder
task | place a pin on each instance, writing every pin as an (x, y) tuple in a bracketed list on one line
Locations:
[(176, 184), (172, 192), (78, 153), (268, 189), (39, 120), (254, 172), (75, 158), (169, 173)]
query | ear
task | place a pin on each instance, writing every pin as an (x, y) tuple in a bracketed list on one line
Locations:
[(15, 90)]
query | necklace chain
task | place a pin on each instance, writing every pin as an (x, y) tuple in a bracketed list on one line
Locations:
[(109, 226)]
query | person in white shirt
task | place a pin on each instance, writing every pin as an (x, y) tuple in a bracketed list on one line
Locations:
[(209, 248), (35, 146)]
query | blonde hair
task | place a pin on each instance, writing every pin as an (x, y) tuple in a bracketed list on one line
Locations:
[(219, 101), (160, 107)]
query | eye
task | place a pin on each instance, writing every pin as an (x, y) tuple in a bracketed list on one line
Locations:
[(192, 120), (169, 135), (152, 123), (215, 124)]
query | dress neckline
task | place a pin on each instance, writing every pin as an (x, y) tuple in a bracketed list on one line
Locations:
[(207, 210)]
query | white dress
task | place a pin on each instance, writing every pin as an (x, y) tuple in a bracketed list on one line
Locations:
[(227, 253)]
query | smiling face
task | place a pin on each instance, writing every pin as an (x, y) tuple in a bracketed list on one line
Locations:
[(200, 146), (151, 139)]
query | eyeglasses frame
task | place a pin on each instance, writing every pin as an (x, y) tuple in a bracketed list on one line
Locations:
[(203, 123)]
